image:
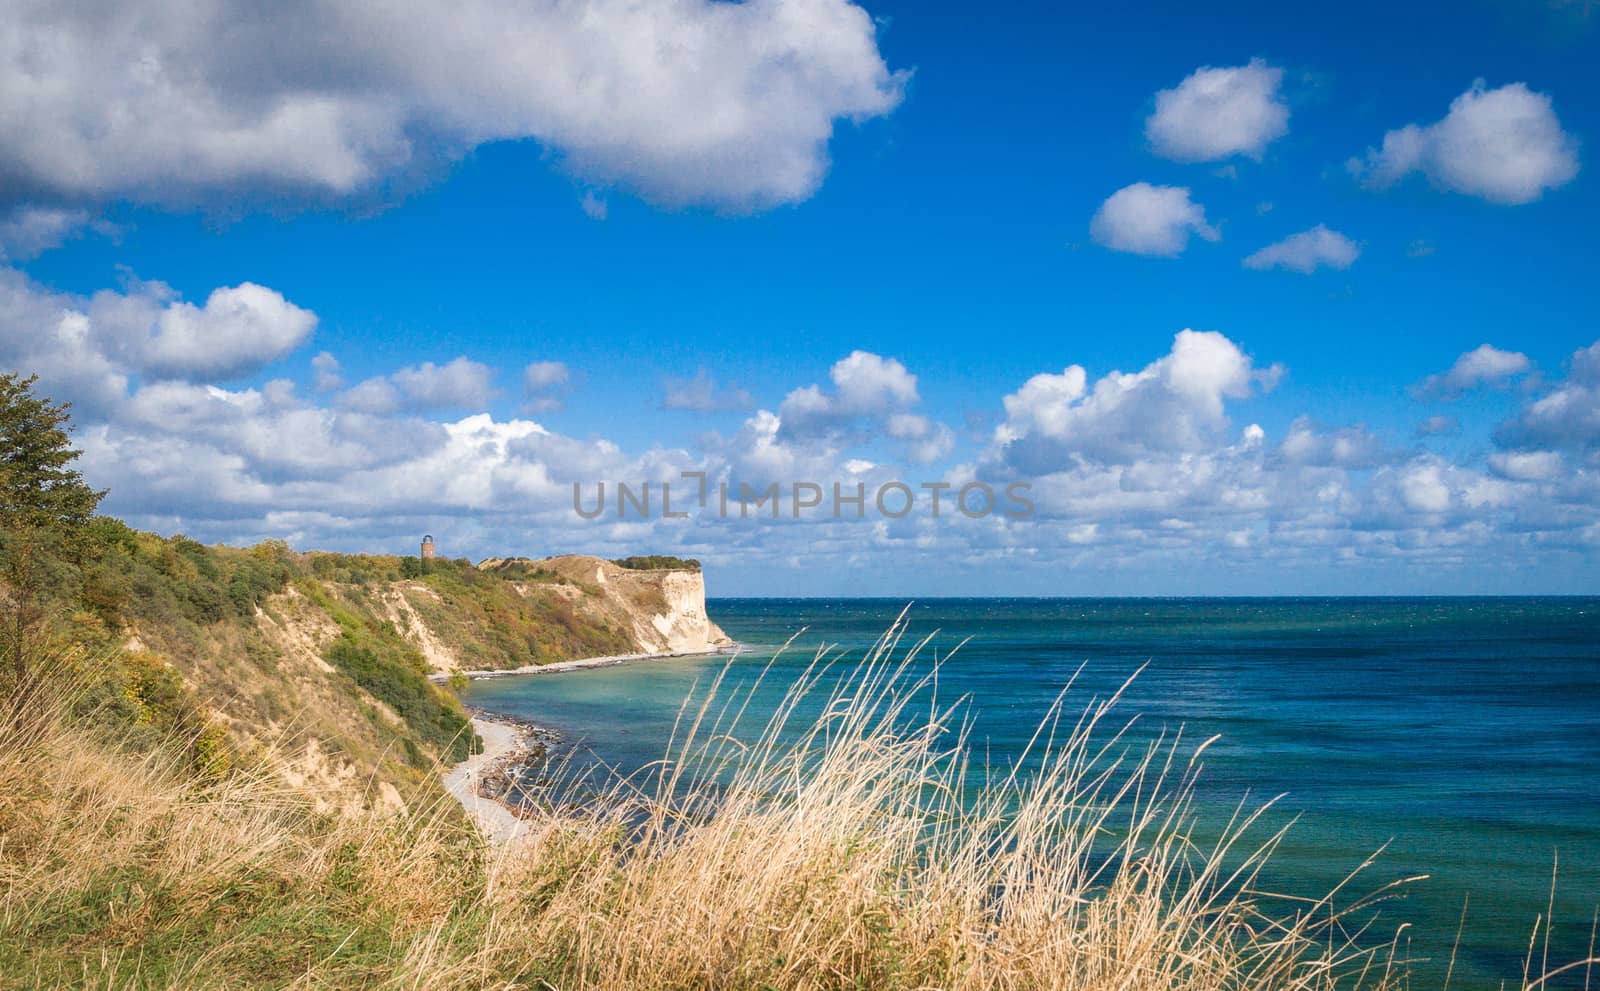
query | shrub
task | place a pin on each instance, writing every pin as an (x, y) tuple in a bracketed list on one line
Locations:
[(658, 562)]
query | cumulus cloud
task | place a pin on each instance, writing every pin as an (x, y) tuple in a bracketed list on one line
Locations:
[(90, 348), (1150, 220), (1218, 113), (864, 385), (1352, 447), (1176, 403), (702, 393), (1306, 252), (872, 398), (237, 331), (1505, 145), (1146, 489), (926, 441), (1422, 486), (457, 384), (1567, 417), (1133, 473), (545, 385), (1485, 365), (1527, 466), (730, 105)]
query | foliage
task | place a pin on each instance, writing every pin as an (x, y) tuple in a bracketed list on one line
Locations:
[(374, 655), (522, 570), (39, 488), (485, 615), (657, 562)]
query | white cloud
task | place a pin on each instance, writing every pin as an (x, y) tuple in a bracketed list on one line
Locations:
[(1505, 145), (1527, 466), (457, 384), (702, 394), (32, 230), (864, 385), (237, 331), (1150, 220), (925, 440), (1176, 403), (544, 383), (1139, 475), (730, 105), (1307, 251), (540, 375), (1565, 418), (90, 348), (1219, 112), (1485, 365), (868, 383), (325, 373), (1352, 447), (1422, 486)]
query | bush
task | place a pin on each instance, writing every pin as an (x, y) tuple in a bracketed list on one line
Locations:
[(376, 667), (658, 562)]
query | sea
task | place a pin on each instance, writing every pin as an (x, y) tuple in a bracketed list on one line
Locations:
[(1456, 738)]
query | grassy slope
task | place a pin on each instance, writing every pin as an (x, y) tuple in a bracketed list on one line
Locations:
[(844, 862), (303, 658)]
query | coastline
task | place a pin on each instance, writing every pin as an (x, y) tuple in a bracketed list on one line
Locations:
[(506, 745), (581, 663), (510, 744)]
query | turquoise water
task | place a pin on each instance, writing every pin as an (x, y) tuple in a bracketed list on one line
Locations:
[(1464, 733)]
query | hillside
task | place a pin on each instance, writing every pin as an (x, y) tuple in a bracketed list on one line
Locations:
[(320, 661), (662, 610)]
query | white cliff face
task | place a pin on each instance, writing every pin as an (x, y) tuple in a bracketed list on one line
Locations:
[(664, 610), (683, 626)]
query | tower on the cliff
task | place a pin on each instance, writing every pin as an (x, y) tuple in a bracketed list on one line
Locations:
[(427, 547)]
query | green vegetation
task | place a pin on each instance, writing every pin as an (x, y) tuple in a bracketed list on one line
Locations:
[(658, 562), (378, 659), (502, 619), (520, 570), (169, 638), (243, 652), (44, 508)]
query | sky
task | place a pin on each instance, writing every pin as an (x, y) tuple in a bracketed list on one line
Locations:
[(1246, 300)]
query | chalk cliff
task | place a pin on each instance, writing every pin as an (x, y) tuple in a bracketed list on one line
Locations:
[(660, 610)]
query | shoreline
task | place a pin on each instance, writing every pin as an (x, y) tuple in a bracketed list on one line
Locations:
[(511, 744), (508, 746), (581, 663)]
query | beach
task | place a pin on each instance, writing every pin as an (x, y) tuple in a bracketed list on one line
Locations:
[(504, 744), (509, 744)]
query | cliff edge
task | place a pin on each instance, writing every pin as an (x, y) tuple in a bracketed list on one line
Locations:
[(662, 610)]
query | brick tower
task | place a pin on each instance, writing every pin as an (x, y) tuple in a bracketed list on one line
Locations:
[(427, 547)]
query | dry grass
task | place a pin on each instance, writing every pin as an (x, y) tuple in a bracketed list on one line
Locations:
[(847, 852)]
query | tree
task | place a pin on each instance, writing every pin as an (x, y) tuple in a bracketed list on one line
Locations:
[(39, 488), (45, 507)]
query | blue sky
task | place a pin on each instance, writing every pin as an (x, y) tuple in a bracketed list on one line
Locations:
[(753, 195)]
